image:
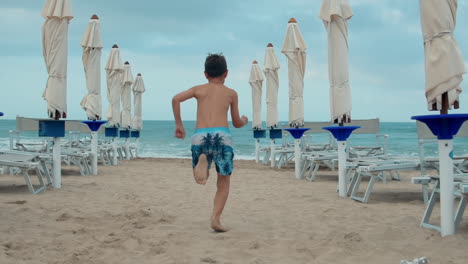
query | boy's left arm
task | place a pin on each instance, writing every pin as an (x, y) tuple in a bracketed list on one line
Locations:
[(176, 100)]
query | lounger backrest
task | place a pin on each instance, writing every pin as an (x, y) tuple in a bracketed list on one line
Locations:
[(32, 124), (425, 133)]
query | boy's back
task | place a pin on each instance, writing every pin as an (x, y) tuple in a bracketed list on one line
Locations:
[(213, 102)]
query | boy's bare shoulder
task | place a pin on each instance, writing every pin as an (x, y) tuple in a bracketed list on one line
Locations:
[(230, 91), (201, 86)]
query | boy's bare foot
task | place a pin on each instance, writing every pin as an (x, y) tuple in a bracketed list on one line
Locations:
[(201, 170), (217, 227)]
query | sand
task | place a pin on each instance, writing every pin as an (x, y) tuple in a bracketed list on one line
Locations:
[(152, 211)]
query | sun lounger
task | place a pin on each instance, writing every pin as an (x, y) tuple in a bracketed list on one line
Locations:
[(461, 192), (425, 137), (313, 160), (375, 170), (25, 163)]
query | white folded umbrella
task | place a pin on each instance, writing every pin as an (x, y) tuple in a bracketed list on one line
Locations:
[(114, 69), (126, 96), (58, 14), (92, 50), (335, 15), (138, 90), (255, 81), (444, 61), (294, 48), (271, 67)]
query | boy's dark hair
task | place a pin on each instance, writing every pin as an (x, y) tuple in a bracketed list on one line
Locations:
[(215, 65)]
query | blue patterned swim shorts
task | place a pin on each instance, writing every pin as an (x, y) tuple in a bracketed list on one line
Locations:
[(216, 144)]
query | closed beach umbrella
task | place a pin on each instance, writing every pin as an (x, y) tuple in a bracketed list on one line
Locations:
[(126, 96), (444, 61), (444, 70), (255, 81), (92, 49), (272, 84), (114, 70), (58, 14), (335, 14), (294, 48), (138, 90)]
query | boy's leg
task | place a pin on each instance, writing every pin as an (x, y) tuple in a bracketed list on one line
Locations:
[(201, 172), (219, 201)]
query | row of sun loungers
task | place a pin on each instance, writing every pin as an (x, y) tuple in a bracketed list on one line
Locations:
[(374, 164), (26, 156)]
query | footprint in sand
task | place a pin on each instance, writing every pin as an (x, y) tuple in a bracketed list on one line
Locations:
[(166, 219), (17, 202), (254, 245), (353, 237), (208, 260), (63, 217)]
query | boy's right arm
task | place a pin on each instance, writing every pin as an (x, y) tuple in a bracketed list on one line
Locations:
[(176, 100), (237, 121)]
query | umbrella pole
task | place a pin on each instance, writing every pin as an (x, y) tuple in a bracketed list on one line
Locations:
[(342, 181), (137, 150), (127, 149), (297, 158), (57, 163), (272, 153), (257, 150), (297, 133), (342, 133), (114, 151), (447, 223), (94, 152)]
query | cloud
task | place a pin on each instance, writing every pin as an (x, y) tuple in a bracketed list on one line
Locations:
[(392, 15)]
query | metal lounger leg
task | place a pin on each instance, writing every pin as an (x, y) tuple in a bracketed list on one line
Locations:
[(369, 188), (315, 171), (355, 184), (352, 181), (30, 185), (460, 210), (46, 171), (368, 191), (425, 191), (430, 207)]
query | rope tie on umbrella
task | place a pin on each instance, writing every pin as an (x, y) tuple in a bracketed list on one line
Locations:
[(438, 35), (57, 76)]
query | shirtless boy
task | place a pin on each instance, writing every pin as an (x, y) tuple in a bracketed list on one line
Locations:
[(212, 140)]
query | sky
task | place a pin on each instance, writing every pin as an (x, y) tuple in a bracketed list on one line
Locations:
[(168, 41)]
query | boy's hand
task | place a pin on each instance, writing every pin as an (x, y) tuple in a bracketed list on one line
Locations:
[(245, 119), (180, 132)]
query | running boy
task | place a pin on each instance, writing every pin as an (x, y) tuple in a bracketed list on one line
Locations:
[(212, 141)]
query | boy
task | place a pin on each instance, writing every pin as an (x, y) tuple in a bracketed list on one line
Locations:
[(212, 140)]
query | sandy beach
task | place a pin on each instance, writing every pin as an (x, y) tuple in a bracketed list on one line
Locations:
[(151, 211)]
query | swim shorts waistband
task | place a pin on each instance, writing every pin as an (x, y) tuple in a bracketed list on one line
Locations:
[(212, 130)]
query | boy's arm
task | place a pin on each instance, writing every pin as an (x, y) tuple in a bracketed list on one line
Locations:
[(176, 100), (237, 121)]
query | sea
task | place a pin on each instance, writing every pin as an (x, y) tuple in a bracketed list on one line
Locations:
[(158, 140)]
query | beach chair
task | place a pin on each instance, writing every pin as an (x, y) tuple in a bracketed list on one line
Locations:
[(74, 150), (376, 169), (285, 153), (368, 127), (460, 192), (425, 138), (26, 162), (314, 160)]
